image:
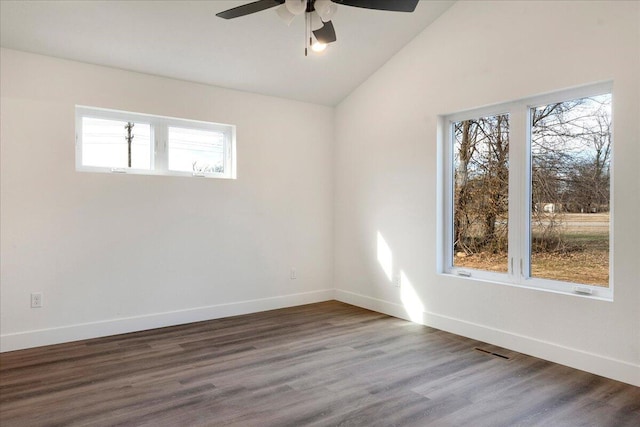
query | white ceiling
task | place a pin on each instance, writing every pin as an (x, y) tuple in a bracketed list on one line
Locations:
[(185, 40)]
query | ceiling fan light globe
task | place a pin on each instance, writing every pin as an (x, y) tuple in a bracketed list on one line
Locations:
[(318, 47), (285, 15), (326, 9), (296, 7), (316, 21)]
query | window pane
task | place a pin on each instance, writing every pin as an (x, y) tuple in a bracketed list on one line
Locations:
[(481, 190), (570, 181), (195, 150), (104, 144)]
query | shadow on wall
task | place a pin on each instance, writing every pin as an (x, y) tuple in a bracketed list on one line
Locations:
[(408, 295)]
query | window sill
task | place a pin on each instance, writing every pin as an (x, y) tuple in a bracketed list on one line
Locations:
[(123, 171), (599, 293)]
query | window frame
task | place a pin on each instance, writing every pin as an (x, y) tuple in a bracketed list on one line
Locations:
[(449, 173), (520, 186), (159, 142)]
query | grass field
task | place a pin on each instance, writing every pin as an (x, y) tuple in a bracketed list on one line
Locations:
[(583, 257)]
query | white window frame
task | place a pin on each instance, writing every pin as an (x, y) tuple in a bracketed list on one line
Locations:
[(159, 142), (519, 261)]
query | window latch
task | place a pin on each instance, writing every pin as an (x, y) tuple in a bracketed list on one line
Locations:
[(118, 170), (521, 269), (582, 290)]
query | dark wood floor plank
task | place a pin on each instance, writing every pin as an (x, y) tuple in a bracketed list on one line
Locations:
[(321, 364)]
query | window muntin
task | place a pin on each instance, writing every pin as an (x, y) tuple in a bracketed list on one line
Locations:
[(570, 196), (524, 153), (481, 193), (160, 145)]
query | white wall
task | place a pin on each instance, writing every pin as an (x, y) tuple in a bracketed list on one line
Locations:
[(115, 253), (477, 54)]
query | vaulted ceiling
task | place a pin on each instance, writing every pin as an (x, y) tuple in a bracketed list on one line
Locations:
[(185, 40)]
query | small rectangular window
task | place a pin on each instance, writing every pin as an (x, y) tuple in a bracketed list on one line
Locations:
[(105, 144), (125, 142), (197, 151)]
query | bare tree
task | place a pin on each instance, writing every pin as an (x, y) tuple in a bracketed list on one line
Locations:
[(571, 153), (481, 184)]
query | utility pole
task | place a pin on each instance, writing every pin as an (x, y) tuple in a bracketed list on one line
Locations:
[(129, 138)]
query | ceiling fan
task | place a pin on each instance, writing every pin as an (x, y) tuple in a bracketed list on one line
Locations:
[(318, 14)]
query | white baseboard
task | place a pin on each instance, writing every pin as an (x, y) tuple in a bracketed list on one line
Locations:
[(600, 365), (41, 337), (586, 361)]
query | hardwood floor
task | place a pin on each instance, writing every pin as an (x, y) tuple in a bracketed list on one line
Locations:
[(322, 365)]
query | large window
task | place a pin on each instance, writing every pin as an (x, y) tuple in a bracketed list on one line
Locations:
[(123, 142), (527, 192)]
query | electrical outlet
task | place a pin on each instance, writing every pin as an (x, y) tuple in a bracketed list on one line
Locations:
[(293, 274), (36, 300), (397, 280)]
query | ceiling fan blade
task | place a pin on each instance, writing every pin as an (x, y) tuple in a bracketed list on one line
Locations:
[(247, 9), (326, 34), (390, 5)]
